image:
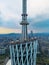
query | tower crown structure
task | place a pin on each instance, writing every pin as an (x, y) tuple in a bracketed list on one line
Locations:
[(24, 22)]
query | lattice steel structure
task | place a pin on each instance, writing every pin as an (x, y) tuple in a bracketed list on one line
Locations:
[(24, 51)]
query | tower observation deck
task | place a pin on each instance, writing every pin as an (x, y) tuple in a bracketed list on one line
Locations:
[(24, 51)]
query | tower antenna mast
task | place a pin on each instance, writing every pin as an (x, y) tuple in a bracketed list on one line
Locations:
[(24, 22)]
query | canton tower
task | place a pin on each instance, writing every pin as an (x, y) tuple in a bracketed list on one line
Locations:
[(24, 51)]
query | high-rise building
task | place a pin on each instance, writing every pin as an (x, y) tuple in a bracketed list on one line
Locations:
[(24, 51)]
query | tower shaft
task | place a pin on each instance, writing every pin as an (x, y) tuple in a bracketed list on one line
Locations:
[(24, 22)]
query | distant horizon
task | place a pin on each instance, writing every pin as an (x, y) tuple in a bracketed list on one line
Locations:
[(28, 33)]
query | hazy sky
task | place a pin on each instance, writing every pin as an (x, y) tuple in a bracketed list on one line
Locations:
[(10, 15)]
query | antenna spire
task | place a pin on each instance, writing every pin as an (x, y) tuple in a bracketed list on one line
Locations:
[(24, 22)]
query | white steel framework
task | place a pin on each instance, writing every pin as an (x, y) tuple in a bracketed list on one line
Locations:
[(24, 53)]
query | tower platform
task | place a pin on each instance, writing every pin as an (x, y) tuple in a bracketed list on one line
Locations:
[(24, 23)]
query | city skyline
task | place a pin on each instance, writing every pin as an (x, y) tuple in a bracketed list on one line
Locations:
[(10, 15)]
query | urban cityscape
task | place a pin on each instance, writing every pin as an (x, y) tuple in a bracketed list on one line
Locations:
[(24, 32)]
